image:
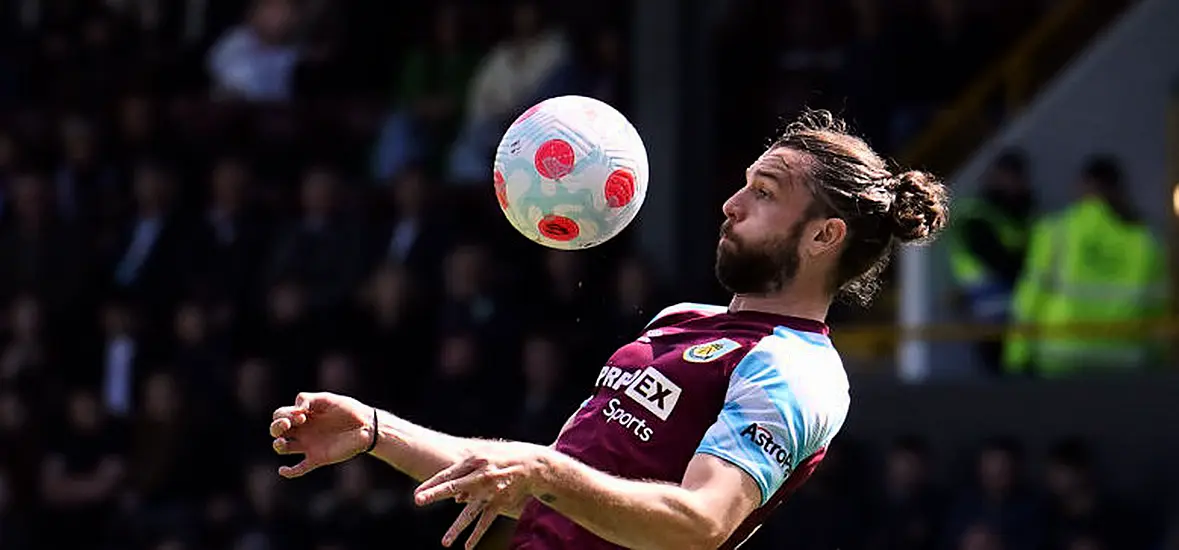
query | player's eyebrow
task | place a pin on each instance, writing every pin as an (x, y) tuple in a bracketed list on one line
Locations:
[(772, 168)]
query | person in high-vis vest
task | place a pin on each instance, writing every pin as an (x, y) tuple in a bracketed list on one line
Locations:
[(987, 245), (1092, 269)]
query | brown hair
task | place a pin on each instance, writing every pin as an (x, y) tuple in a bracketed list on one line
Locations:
[(881, 206)]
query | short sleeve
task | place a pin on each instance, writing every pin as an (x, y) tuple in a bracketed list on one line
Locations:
[(761, 427)]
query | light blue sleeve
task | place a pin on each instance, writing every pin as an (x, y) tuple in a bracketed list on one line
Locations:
[(761, 428)]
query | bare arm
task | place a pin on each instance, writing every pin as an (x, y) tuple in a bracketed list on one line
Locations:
[(712, 501), (417, 451), (421, 452)]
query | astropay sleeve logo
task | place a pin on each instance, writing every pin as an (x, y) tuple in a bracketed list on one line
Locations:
[(654, 392), (764, 440)]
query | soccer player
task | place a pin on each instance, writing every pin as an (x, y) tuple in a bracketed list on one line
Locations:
[(698, 429)]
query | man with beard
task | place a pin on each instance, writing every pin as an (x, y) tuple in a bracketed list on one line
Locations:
[(698, 429)]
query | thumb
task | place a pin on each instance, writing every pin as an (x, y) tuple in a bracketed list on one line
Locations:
[(291, 472)]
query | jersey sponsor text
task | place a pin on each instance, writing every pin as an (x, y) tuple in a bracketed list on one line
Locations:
[(765, 440)]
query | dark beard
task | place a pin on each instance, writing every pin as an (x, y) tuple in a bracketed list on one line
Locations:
[(742, 269)]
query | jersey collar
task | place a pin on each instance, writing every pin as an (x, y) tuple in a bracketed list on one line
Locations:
[(788, 321)]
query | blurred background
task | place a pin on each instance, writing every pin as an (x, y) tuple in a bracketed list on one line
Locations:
[(209, 205)]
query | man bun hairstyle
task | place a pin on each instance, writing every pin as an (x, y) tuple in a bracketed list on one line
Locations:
[(919, 210), (882, 207)]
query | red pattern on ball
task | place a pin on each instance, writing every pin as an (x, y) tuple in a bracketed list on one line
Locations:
[(554, 159), (620, 188), (501, 190), (529, 112), (558, 228)]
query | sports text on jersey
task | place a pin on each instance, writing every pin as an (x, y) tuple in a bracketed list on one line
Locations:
[(615, 413), (647, 387), (765, 440)]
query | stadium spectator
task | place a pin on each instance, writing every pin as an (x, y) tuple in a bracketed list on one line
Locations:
[(43, 254), (150, 264), (429, 99), (545, 402), (124, 355), (160, 461), (394, 336), (912, 509), (13, 527), (502, 85), (82, 473), (255, 61), (988, 244), (323, 251), (416, 234), (999, 505), (451, 398), (1079, 513), (1095, 263)]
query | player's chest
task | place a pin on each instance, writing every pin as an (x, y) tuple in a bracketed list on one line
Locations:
[(666, 367)]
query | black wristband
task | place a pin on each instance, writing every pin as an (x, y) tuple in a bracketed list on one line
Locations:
[(376, 434)]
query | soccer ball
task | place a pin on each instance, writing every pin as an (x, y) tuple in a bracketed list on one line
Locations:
[(570, 173)]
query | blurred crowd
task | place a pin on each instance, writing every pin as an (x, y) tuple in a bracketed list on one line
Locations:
[(207, 206)]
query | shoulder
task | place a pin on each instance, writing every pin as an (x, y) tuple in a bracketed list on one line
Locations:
[(796, 369), (684, 311), (786, 400)]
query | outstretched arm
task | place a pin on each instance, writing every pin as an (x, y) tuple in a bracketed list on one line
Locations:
[(702, 512), (417, 451), (713, 500), (421, 452)]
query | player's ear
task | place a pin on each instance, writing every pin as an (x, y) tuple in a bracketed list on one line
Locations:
[(826, 235)]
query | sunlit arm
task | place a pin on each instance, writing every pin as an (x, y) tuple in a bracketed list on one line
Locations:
[(417, 451), (713, 500), (420, 452)]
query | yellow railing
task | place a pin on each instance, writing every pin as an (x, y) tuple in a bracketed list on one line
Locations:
[(878, 336), (962, 125)]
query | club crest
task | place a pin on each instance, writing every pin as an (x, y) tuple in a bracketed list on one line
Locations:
[(710, 351)]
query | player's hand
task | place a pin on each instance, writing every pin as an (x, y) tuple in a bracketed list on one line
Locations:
[(494, 480), (325, 428)]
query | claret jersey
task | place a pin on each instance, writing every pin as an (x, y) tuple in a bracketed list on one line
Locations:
[(765, 392)]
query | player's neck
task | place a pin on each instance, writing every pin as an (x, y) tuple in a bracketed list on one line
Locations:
[(791, 301)]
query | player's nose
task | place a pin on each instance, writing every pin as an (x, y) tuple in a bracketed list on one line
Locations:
[(731, 207)]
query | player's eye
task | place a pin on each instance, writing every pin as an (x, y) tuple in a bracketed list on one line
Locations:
[(762, 193)]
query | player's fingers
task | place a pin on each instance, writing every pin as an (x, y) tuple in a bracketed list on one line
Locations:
[(469, 513), (485, 521), (284, 446), (280, 427), (300, 469), (468, 485), (304, 399), (455, 471), (288, 412)]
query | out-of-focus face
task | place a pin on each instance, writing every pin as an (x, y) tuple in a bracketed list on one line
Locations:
[(162, 398), (906, 470), (152, 187), (84, 411), (229, 181), (758, 250), (525, 20), (273, 19), (996, 471), (541, 362), (318, 193)]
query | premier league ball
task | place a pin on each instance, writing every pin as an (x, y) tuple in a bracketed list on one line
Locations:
[(571, 173)]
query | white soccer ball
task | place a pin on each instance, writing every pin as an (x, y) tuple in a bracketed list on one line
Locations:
[(571, 173)]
